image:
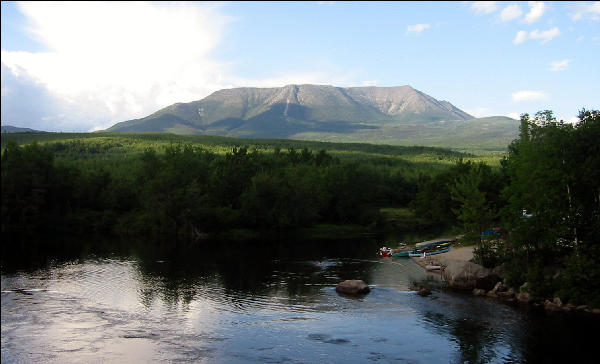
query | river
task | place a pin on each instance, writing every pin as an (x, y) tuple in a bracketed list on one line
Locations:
[(94, 300)]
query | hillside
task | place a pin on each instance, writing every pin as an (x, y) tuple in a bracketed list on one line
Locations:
[(392, 115), (15, 129)]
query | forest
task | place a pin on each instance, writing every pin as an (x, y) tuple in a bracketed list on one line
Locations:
[(543, 194)]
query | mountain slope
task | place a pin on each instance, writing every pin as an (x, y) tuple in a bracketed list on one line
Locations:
[(369, 114), (16, 129)]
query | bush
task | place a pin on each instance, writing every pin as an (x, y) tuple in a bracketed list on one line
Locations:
[(486, 253), (580, 281)]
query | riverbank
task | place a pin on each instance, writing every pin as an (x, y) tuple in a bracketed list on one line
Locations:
[(464, 253), (480, 280)]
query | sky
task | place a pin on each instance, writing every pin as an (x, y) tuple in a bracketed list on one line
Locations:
[(86, 66)]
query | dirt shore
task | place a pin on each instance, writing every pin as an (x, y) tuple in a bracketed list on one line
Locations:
[(460, 253)]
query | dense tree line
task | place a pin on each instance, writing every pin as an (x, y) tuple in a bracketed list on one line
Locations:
[(553, 206), (546, 198), (187, 191)]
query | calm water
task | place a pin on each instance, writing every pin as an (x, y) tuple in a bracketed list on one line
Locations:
[(264, 302)]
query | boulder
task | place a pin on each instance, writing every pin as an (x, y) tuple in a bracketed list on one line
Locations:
[(523, 297), (557, 301), (459, 274), (353, 287), (499, 271), (492, 294), (596, 311), (510, 293), (424, 292), (581, 307), (479, 292), (551, 306), (499, 287)]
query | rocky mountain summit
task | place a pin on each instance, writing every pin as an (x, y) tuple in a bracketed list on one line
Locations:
[(392, 115)]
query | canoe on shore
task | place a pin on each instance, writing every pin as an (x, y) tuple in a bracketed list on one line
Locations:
[(424, 253), (402, 252), (434, 243)]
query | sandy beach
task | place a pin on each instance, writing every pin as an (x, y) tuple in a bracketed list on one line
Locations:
[(464, 253)]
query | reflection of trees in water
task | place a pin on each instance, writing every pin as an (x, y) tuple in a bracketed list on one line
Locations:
[(241, 273), (238, 273), (485, 333), (561, 338), (475, 339)]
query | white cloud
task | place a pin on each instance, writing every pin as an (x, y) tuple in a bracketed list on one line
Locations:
[(511, 12), (586, 10), (116, 61), (528, 95), (556, 66), (536, 11), (417, 28), (521, 37), (484, 7), (545, 36), (514, 115)]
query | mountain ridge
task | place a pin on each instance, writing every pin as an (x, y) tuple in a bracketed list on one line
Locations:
[(305, 111)]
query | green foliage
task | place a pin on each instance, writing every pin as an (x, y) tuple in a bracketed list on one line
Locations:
[(185, 189), (473, 211), (487, 252), (27, 177), (540, 283), (467, 192), (580, 281), (553, 203)]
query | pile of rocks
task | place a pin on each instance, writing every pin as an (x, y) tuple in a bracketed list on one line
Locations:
[(500, 290), (487, 282)]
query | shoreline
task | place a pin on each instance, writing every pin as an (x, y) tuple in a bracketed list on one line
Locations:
[(500, 291), (463, 253)]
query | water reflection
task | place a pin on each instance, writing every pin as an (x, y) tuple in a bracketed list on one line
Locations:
[(268, 301)]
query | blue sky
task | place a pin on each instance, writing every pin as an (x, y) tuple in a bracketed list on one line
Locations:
[(86, 66)]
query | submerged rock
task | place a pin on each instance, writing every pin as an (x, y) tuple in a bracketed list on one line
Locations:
[(353, 286), (424, 292)]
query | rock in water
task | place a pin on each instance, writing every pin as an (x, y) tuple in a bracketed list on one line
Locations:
[(353, 286), (424, 292), (479, 292)]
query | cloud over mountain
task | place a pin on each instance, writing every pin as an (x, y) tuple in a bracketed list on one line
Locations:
[(120, 67)]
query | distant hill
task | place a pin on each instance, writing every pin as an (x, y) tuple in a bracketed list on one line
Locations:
[(392, 115), (15, 129)]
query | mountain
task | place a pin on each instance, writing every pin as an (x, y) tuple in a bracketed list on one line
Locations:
[(16, 129), (316, 112)]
